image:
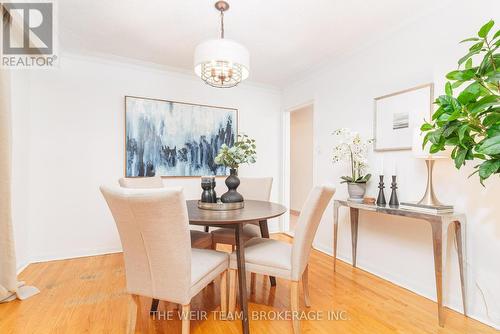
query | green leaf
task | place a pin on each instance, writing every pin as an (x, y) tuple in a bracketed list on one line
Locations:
[(451, 141), (480, 156), (434, 149), (426, 127), (484, 103), (435, 136), (468, 56), (438, 113), (448, 89), (485, 29), (472, 39), (473, 88), (465, 97), (490, 146), (493, 131), (491, 119), (426, 140), (461, 75), (488, 168), (495, 77), (461, 132), (476, 48), (346, 179), (460, 158), (450, 128), (497, 34), (468, 64)]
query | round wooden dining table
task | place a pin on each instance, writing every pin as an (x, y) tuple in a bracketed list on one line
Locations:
[(254, 211)]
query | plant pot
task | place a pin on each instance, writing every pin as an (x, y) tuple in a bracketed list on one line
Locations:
[(356, 191), (232, 183)]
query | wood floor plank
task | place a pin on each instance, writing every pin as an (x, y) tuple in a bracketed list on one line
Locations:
[(87, 295)]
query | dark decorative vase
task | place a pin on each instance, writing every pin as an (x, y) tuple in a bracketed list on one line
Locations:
[(232, 183), (208, 185)]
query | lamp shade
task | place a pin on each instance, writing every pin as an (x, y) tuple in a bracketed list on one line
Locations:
[(423, 153), (218, 59)]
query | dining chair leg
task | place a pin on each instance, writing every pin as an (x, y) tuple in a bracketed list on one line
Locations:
[(264, 233), (294, 305), (133, 313), (186, 321), (232, 292), (154, 306), (223, 293), (305, 285)]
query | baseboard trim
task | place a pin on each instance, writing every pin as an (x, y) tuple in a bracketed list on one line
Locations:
[(75, 254), (23, 266)]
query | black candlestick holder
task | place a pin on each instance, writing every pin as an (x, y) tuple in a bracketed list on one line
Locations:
[(394, 202), (381, 196)]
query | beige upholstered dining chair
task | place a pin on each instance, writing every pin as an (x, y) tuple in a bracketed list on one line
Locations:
[(159, 261), (141, 182), (252, 188), (199, 239), (281, 259)]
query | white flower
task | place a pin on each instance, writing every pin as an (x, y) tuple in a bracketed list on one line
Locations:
[(351, 148)]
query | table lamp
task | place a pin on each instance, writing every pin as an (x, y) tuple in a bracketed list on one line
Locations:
[(429, 198)]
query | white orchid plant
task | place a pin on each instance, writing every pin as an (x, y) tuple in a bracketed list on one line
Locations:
[(243, 151), (351, 148)]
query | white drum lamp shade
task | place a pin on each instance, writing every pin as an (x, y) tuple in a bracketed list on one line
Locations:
[(221, 62)]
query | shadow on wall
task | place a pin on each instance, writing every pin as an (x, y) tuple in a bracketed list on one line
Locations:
[(481, 206)]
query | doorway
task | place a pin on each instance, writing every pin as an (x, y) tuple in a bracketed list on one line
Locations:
[(300, 160)]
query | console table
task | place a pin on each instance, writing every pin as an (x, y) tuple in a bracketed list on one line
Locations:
[(439, 224)]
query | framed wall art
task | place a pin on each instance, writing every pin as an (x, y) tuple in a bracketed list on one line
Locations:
[(168, 138), (397, 115)]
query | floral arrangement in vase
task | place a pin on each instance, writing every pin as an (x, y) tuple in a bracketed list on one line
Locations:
[(352, 149), (242, 152)]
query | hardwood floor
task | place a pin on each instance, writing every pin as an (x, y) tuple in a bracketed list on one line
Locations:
[(86, 295)]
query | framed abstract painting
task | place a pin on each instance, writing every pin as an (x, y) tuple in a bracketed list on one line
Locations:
[(168, 138), (397, 115)]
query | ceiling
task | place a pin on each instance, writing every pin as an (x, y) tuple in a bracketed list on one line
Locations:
[(286, 38)]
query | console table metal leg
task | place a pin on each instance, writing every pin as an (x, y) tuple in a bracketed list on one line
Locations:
[(437, 242), (335, 233), (460, 237), (354, 233)]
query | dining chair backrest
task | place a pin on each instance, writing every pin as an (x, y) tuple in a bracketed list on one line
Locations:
[(141, 182), (154, 232), (256, 188), (307, 224)]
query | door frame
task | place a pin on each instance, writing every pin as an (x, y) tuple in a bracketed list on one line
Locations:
[(286, 159)]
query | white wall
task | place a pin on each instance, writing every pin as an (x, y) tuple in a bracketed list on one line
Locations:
[(398, 249), (70, 139), (301, 156)]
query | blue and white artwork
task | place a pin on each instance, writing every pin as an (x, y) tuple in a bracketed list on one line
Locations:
[(168, 138)]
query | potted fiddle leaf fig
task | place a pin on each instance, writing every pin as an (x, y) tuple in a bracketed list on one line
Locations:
[(351, 148), (468, 117), (243, 151)]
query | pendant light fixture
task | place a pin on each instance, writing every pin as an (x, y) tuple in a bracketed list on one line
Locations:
[(221, 63)]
